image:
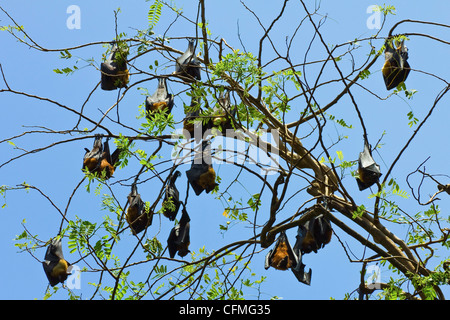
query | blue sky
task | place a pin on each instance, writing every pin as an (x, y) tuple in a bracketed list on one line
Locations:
[(30, 71)]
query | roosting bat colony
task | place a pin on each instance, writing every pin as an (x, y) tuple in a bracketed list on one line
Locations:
[(311, 236)]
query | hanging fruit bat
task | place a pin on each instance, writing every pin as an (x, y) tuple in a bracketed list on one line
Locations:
[(173, 195), (190, 121), (193, 124), (56, 268), (136, 216), (114, 70), (179, 240), (100, 159), (202, 176), (187, 65), (222, 113), (395, 69), (313, 235), (368, 170), (161, 99), (282, 257)]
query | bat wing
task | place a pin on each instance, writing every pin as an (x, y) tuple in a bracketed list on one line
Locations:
[(201, 176), (184, 58), (389, 49), (110, 72), (179, 238), (187, 63), (309, 243), (193, 174), (50, 261), (170, 102), (171, 244), (299, 272), (299, 268), (143, 219), (322, 231), (106, 151), (108, 68), (407, 69), (54, 250), (172, 193), (301, 234), (268, 259), (184, 239), (48, 268), (390, 65), (115, 157)]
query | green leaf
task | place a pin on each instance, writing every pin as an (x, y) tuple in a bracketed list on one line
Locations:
[(154, 14)]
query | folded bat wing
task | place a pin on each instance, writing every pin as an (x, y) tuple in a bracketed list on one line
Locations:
[(179, 238), (368, 169), (187, 64), (172, 193)]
